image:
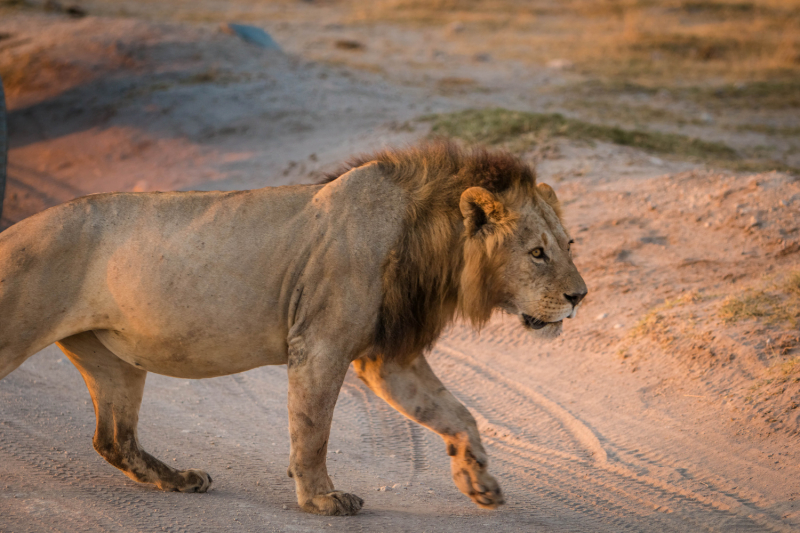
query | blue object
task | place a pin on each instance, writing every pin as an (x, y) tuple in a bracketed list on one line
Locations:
[(254, 35)]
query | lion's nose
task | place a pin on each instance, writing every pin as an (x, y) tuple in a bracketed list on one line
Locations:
[(576, 298)]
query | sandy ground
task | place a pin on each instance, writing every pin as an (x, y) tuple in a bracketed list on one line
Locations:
[(649, 414)]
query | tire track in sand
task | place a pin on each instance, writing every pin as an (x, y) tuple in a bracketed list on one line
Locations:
[(583, 478), (19, 443), (390, 434)]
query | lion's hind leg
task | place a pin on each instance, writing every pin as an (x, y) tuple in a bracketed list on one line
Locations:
[(116, 388)]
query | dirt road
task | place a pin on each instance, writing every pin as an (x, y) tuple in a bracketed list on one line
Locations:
[(578, 444), (640, 417)]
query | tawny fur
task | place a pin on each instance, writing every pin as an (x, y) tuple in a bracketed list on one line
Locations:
[(197, 285)]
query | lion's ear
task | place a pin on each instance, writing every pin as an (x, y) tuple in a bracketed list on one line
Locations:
[(549, 196), (480, 208)]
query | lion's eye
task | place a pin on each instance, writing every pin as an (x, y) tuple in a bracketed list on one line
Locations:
[(569, 244), (537, 253)]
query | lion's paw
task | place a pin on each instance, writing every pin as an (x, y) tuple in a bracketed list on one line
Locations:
[(481, 487), (334, 503), (194, 481)]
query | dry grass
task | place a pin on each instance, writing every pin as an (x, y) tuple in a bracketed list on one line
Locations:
[(746, 51), (634, 39), (784, 380), (656, 326), (753, 305), (667, 324), (653, 324), (780, 305), (791, 366), (792, 284)]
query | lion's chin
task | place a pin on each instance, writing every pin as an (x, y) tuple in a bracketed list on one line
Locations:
[(543, 330)]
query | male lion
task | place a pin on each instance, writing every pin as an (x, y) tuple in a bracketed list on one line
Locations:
[(366, 269)]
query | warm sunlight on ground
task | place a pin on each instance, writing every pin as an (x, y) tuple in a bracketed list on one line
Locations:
[(670, 131)]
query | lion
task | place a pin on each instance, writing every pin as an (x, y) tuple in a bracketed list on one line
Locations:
[(204, 284)]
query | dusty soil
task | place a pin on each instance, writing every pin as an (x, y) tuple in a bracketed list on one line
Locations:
[(669, 404)]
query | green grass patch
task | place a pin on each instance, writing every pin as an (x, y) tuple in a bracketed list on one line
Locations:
[(498, 125)]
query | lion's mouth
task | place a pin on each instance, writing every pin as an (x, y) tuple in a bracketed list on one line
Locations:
[(535, 323)]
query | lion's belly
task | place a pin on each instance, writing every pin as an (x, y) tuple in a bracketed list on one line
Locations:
[(204, 357)]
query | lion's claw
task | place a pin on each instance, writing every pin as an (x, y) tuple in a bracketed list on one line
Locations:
[(196, 481), (334, 503), (489, 499), (480, 487)]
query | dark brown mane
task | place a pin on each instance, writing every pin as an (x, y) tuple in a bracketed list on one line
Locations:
[(422, 275)]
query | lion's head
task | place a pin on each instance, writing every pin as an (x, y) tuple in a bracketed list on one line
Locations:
[(517, 257), (478, 234)]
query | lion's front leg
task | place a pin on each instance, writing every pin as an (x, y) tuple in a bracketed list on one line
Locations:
[(416, 392), (314, 383)]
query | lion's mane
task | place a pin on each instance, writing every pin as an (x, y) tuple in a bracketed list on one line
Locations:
[(434, 271)]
